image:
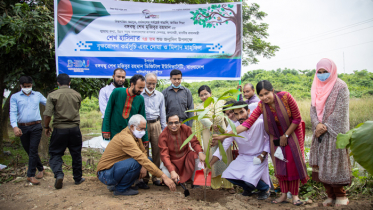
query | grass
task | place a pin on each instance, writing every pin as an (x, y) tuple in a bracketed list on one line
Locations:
[(90, 122), (360, 111)]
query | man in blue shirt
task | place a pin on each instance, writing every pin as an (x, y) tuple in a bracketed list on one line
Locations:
[(26, 122)]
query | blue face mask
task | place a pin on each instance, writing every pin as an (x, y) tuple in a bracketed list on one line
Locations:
[(177, 87), (323, 77)]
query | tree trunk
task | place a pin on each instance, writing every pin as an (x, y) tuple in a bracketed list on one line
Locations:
[(238, 24), (1, 113), (44, 141), (5, 116), (5, 130)]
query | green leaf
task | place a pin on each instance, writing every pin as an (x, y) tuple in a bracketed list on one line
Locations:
[(236, 107), (223, 153), (231, 135), (362, 145), (207, 160), (226, 97), (201, 116), (208, 102), (228, 105), (192, 118), (195, 110), (343, 139), (231, 91), (231, 124), (188, 139), (221, 130)]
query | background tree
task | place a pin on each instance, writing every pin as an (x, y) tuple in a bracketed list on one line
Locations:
[(27, 48), (220, 14)]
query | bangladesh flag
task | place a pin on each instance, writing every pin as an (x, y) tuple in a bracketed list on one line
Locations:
[(75, 15)]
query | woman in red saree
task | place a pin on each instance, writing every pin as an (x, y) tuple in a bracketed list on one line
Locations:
[(281, 119)]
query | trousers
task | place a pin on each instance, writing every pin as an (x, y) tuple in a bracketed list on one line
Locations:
[(122, 174), (334, 192), (61, 139), (30, 140), (261, 186), (154, 130)]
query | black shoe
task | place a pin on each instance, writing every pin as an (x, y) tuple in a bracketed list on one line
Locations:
[(59, 182), (157, 183), (111, 188), (80, 181), (129, 191), (142, 185), (247, 193), (135, 187), (263, 195)]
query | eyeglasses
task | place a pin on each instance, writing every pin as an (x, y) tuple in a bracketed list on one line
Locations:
[(173, 123), (148, 83)]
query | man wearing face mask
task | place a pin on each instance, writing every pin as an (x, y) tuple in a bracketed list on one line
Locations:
[(180, 164), (122, 105), (155, 117), (119, 77), (125, 160), (26, 122), (178, 98), (250, 169)]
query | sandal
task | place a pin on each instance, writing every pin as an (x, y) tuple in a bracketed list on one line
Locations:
[(328, 202), (340, 202), (298, 203), (277, 202)]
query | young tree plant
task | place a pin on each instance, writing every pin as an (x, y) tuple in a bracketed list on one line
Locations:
[(216, 112)]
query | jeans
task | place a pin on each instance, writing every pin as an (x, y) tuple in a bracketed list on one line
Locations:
[(122, 174), (61, 139), (261, 186), (30, 140)]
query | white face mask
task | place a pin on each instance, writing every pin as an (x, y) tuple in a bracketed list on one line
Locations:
[(150, 92), (278, 154), (138, 134), (27, 90)]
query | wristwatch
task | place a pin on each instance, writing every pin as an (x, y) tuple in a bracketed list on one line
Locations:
[(263, 156), (286, 135)]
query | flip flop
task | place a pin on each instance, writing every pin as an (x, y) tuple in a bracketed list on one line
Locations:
[(276, 202), (343, 202), (328, 202), (298, 203)]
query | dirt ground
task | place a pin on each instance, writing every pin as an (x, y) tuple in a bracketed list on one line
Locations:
[(92, 194)]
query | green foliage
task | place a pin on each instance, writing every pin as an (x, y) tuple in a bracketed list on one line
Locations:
[(89, 105), (201, 115), (297, 82), (359, 141)]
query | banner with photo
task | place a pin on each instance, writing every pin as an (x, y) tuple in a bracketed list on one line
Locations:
[(93, 38)]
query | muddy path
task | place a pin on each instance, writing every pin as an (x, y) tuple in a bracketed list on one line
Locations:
[(92, 194)]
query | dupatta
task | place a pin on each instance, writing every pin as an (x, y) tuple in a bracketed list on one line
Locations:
[(271, 128)]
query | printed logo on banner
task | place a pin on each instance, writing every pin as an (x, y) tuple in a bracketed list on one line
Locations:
[(216, 47), (148, 14), (83, 46), (78, 65)]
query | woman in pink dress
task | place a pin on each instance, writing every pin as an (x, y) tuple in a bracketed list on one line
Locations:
[(281, 119)]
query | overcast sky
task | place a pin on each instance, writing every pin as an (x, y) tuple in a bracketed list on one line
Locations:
[(307, 31)]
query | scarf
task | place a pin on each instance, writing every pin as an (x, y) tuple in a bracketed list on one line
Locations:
[(320, 91), (272, 130)]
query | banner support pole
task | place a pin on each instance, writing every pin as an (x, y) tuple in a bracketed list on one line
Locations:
[(238, 97)]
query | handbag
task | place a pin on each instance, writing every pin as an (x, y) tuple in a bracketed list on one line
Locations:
[(234, 150)]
